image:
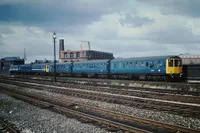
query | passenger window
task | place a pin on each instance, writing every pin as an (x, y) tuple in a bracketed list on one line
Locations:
[(136, 64), (130, 64), (147, 64), (159, 64), (151, 65), (170, 63), (142, 64)]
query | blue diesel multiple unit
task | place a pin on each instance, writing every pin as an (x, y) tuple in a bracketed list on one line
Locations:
[(60, 68), (93, 67), (24, 68), (38, 68), (158, 67), (141, 66), (14, 69)]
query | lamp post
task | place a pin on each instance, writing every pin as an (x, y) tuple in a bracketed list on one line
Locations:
[(54, 41)]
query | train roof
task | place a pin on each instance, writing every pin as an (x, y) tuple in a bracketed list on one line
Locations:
[(61, 63), (25, 65), (39, 64), (92, 61), (146, 58)]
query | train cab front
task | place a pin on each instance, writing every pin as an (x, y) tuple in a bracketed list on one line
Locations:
[(174, 69)]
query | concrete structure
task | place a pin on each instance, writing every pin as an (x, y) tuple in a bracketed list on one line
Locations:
[(190, 58), (85, 45), (6, 62), (61, 47), (83, 55)]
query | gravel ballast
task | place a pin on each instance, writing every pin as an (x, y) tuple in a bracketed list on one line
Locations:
[(32, 119), (148, 114)]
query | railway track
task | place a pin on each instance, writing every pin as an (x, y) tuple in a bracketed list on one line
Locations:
[(6, 127), (161, 94), (160, 87), (122, 91), (184, 109), (128, 92), (111, 120)]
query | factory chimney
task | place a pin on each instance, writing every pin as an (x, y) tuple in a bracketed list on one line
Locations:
[(61, 47)]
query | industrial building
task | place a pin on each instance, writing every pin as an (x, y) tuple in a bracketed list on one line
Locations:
[(81, 55), (6, 62), (190, 58)]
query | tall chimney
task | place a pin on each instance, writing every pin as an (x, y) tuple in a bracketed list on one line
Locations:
[(61, 47)]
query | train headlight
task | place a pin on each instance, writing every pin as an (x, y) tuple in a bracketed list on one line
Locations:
[(181, 74)]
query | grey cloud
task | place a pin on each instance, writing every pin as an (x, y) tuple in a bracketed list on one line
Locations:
[(72, 17), (125, 46), (136, 21), (173, 35), (177, 7), (137, 48), (52, 14), (1, 40), (5, 30)]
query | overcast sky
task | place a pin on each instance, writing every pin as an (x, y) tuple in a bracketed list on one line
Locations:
[(127, 28)]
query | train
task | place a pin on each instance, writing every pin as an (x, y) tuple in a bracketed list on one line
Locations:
[(142, 68)]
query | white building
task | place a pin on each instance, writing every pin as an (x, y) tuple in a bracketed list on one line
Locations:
[(190, 58)]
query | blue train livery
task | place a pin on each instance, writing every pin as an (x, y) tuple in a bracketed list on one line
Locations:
[(38, 68), (158, 67), (142, 67), (92, 67), (24, 68), (14, 69), (60, 68)]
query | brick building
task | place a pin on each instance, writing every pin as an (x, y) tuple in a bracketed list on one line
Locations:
[(81, 55)]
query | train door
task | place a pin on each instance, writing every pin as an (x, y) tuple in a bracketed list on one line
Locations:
[(169, 66), (108, 65), (47, 68)]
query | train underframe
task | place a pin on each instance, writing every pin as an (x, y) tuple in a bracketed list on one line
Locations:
[(146, 77)]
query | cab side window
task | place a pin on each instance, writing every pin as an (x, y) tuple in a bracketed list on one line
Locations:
[(170, 63), (176, 63)]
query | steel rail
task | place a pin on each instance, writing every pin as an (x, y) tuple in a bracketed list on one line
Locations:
[(8, 128), (93, 82), (129, 92), (171, 128), (79, 114), (130, 101)]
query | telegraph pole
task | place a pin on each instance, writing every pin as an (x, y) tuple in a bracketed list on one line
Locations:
[(54, 41)]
